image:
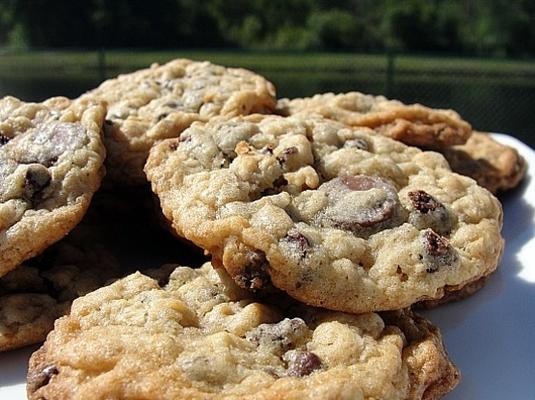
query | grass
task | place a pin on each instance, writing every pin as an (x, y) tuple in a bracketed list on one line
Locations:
[(493, 94), (117, 61)]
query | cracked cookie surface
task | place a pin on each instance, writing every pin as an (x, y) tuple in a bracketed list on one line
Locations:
[(337, 217), (413, 124), (51, 163), (160, 102), (200, 336)]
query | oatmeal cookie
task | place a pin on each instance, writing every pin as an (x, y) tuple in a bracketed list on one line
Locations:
[(41, 290), (51, 163), (412, 124), (199, 336), (455, 293), (163, 100), (493, 165), (114, 238), (337, 217)]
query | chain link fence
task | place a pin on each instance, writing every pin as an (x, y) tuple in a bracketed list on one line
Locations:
[(492, 94)]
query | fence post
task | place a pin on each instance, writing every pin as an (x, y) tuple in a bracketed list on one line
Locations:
[(390, 70), (101, 54)]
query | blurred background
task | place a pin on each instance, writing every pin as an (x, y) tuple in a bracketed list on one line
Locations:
[(475, 56)]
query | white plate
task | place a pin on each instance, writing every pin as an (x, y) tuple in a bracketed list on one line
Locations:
[(490, 336)]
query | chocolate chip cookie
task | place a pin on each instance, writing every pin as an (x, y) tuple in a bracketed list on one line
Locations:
[(337, 217), (493, 165), (412, 124), (41, 290), (160, 102), (199, 336), (51, 163)]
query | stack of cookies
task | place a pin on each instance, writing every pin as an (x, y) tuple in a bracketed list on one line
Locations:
[(326, 219)]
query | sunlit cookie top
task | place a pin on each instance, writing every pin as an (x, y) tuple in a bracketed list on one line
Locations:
[(161, 101), (198, 336), (337, 217), (412, 124), (51, 163)]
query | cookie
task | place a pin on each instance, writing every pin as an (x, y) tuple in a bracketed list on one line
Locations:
[(201, 337), (116, 237), (493, 165), (41, 290), (51, 163), (412, 124), (455, 293), (160, 102), (337, 217)]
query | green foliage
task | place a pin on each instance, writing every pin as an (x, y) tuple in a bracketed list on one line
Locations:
[(336, 29), (504, 27)]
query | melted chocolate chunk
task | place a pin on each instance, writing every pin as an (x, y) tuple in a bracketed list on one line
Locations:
[(361, 213), (42, 378), (303, 363), (36, 180), (423, 202), (255, 274), (4, 140), (437, 251), (360, 144)]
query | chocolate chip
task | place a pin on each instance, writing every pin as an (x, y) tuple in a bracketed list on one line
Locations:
[(255, 274), (435, 244), (4, 140), (437, 251), (280, 337), (403, 277), (360, 144), (303, 363), (423, 202), (429, 213), (42, 378), (297, 240), (36, 180), (361, 213)]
